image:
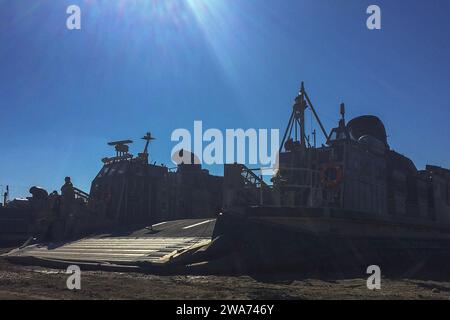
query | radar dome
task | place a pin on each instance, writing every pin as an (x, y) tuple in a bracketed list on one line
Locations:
[(367, 125)]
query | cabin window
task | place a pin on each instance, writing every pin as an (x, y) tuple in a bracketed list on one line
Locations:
[(103, 172), (337, 134)]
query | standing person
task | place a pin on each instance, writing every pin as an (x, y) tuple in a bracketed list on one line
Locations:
[(68, 197), (67, 191), (67, 202)]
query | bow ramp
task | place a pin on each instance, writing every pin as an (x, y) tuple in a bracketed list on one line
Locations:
[(156, 247)]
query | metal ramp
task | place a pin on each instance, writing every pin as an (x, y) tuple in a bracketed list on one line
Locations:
[(112, 250), (156, 245)]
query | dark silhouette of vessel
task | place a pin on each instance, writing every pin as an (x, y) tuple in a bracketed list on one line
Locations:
[(127, 192), (351, 201)]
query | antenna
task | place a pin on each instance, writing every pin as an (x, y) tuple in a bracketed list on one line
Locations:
[(314, 135), (121, 147), (342, 110), (6, 196), (148, 138), (297, 122)]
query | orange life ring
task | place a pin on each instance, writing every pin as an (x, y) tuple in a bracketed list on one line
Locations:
[(325, 178)]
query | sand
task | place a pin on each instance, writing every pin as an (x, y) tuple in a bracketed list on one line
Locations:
[(27, 282)]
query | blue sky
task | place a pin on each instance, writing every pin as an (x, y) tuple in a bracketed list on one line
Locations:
[(140, 65)]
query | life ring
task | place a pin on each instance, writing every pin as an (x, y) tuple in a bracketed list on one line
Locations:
[(331, 175)]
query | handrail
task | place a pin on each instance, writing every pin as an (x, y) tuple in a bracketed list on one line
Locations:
[(251, 177), (81, 194)]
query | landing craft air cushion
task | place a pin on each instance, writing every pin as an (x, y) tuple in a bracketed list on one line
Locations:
[(350, 202)]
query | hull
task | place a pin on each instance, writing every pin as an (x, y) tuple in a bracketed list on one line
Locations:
[(14, 226), (316, 239), (18, 225)]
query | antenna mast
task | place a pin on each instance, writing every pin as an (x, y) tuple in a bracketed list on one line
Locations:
[(6, 196), (297, 122), (148, 138)]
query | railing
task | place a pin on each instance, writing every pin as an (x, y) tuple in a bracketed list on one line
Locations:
[(251, 178), (80, 194), (300, 178)]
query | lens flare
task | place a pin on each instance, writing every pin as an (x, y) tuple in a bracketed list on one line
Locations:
[(220, 28)]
